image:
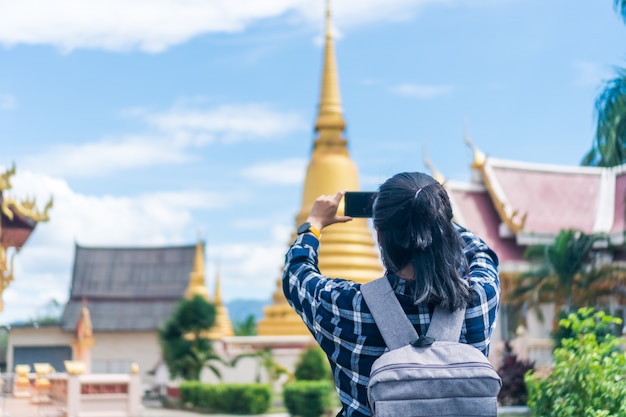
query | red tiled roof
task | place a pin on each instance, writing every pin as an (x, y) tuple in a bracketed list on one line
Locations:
[(554, 199), (474, 210)]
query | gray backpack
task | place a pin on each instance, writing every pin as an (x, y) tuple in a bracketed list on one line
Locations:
[(433, 375)]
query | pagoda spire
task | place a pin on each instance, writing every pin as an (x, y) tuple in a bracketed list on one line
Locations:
[(218, 287), (330, 123), (223, 327), (197, 285), (348, 250)]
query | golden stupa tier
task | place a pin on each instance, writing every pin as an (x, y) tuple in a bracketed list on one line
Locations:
[(223, 327), (347, 250)]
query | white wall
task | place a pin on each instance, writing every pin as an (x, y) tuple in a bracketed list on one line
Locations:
[(113, 352)]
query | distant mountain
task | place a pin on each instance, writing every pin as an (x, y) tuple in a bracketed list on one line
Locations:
[(240, 309)]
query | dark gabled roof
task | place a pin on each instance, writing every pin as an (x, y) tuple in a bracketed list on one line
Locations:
[(127, 315), (128, 288)]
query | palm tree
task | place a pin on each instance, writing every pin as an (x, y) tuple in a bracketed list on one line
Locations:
[(265, 359), (620, 7), (566, 273), (247, 327), (609, 147)]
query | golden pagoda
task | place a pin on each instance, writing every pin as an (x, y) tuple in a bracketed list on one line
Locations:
[(223, 326), (196, 277), (347, 250)]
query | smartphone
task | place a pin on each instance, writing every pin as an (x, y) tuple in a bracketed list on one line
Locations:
[(359, 203)]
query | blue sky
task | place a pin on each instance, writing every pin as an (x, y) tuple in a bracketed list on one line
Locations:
[(163, 121)]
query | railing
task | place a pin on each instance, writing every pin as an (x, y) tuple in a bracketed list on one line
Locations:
[(76, 395)]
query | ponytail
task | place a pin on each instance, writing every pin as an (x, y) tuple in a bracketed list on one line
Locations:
[(413, 218)]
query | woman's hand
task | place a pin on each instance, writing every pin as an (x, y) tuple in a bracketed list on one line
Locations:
[(324, 211)]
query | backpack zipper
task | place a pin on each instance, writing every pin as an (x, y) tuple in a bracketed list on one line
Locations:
[(422, 366)]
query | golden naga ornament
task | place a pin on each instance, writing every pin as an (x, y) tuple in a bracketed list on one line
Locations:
[(17, 221)]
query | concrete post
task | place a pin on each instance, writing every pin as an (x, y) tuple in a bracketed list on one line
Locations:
[(134, 392), (73, 395)]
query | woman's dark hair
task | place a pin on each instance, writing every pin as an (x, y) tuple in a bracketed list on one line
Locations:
[(413, 219)]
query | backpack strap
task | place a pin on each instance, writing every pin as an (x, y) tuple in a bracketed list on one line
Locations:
[(446, 325), (391, 320), (393, 323)]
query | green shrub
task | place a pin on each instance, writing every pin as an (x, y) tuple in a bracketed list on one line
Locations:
[(312, 365), (589, 375), (228, 398), (243, 398), (190, 391), (308, 398)]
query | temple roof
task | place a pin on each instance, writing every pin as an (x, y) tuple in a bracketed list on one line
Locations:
[(514, 204), (128, 288)]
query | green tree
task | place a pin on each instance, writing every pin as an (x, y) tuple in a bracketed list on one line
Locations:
[(609, 146), (566, 273), (589, 375), (49, 313), (312, 365), (247, 327), (184, 339)]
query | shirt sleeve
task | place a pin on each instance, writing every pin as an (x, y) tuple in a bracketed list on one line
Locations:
[(306, 289), (482, 310)]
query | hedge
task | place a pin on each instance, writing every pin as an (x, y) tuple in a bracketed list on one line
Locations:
[(227, 398), (308, 398)]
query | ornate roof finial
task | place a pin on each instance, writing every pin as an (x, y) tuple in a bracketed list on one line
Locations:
[(436, 174), (5, 178), (479, 157), (330, 122)]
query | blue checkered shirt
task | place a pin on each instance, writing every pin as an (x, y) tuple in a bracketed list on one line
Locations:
[(341, 322)]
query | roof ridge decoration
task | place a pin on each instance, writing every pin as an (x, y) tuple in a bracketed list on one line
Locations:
[(479, 157), (5, 178), (31, 216), (512, 218), (438, 176), (26, 208)]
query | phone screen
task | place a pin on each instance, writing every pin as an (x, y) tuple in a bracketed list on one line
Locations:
[(359, 203)]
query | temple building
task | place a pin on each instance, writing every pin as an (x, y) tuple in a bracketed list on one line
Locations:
[(18, 219), (129, 293), (348, 250), (514, 204)]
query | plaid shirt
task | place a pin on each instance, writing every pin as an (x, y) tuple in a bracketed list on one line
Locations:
[(341, 322)]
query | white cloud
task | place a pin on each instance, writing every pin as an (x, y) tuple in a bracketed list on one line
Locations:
[(286, 172), (229, 123), (7, 102), (43, 267), (106, 156), (252, 268), (591, 73), (421, 91), (155, 25), (171, 137)]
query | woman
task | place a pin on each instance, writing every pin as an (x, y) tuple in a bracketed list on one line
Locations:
[(429, 260)]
